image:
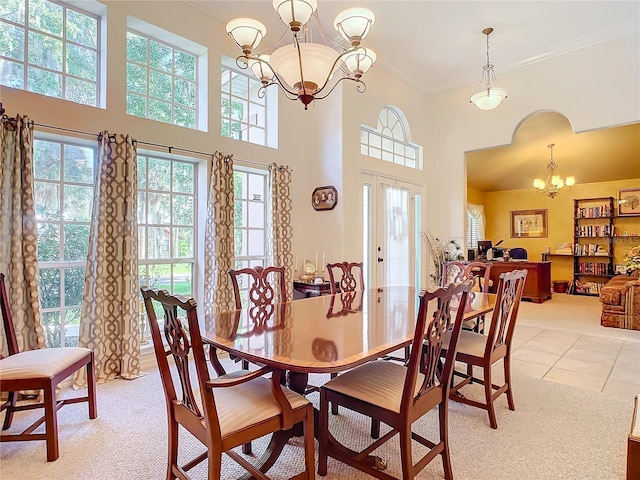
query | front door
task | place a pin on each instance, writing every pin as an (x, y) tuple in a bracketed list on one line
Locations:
[(390, 207)]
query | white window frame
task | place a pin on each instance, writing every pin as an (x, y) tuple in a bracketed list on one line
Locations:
[(473, 229), (242, 261), (61, 264), (89, 8), (391, 140), (270, 107), (179, 44)]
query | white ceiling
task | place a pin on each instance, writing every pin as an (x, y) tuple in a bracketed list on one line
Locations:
[(438, 45)]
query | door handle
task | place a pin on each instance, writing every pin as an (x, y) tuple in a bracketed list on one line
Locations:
[(380, 259)]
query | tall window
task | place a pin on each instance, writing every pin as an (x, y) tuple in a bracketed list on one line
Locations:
[(167, 223), (247, 112), (50, 48), (391, 140), (250, 219), (162, 81), (475, 224), (64, 178)]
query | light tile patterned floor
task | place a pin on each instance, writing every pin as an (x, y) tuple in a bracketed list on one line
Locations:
[(549, 343)]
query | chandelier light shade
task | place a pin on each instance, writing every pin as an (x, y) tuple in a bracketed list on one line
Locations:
[(552, 184), (305, 70), (489, 96)]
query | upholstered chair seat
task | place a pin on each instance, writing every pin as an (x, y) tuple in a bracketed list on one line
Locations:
[(43, 363), (379, 383)]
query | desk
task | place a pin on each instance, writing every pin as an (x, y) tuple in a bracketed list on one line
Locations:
[(537, 287)]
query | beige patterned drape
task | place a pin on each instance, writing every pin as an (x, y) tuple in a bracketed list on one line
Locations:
[(19, 234), (280, 230), (109, 323), (219, 236)]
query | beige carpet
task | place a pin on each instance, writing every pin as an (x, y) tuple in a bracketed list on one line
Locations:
[(556, 432)]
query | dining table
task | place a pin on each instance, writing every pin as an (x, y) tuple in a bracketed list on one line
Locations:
[(323, 334)]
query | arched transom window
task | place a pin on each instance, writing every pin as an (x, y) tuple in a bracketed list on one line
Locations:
[(391, 140)]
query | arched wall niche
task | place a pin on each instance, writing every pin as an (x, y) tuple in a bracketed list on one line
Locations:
[(606, 154)]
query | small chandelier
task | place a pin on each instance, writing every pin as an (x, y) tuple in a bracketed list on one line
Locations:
[(488, 97), (553, 183), (304, 69)]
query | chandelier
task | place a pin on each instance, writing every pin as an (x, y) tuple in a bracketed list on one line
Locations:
[(488, 97), (303, 69), (553, 183)]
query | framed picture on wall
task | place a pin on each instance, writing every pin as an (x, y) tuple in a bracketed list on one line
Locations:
[(324, 198), (629, 201), (529, 224)]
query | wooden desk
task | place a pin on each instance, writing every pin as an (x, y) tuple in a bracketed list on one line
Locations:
[(537, 288)]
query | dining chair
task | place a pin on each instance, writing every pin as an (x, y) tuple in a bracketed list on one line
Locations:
[(351, 276), (265, 287), (484, 351), (518, 253), (223, 412), (42, 369), (456, 271), (397, 394)]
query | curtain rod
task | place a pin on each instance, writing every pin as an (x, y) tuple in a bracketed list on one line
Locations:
[(140, 142)]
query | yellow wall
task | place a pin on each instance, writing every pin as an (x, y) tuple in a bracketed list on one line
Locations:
[(498, 206), (475, 196)]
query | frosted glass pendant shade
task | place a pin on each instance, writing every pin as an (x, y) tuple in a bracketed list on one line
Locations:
[(295, 10), (354, 23), (488, 99), (246, 32), (260, 69), (359, 60), (317, 60)]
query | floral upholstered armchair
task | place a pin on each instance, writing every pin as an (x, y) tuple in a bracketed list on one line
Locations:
[(620, 299)]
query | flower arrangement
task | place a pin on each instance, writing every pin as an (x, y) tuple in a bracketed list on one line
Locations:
[(632, 259), (442, 251)]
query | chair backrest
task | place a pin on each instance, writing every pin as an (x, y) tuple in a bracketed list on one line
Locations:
[(345, 303), (7, 319), (182, 346), (518, 253), (455, 272), (431, 330), (266, 287), (503, 321), (350, 280)]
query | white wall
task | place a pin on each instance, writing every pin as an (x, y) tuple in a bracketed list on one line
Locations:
[(322, 145)]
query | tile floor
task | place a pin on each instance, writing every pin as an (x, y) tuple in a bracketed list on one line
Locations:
[(587, 361)]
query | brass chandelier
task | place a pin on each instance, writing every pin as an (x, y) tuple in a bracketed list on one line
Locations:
[(305, 70), (552, 184)]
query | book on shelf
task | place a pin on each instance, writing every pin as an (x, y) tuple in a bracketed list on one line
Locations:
[(598, 211)]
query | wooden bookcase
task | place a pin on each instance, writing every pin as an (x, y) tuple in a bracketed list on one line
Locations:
[(593, 235)]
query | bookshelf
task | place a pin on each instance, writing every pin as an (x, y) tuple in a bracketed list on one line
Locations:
[(593, 235)]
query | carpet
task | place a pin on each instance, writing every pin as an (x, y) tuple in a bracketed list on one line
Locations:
[(557, 432)]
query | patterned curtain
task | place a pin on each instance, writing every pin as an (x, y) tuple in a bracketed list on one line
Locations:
[(280, 230), (218, 240), (109, 322), (18, 233)]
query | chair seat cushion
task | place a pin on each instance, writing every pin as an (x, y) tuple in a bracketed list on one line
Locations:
[(42, 363), (379, 383), (469, 343), (249, 403)]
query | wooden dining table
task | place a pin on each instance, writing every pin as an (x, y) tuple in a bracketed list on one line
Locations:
[(324, 334)]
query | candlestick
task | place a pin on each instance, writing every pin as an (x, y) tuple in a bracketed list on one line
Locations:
[(295, 265), (316, 260), (323, 263)]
